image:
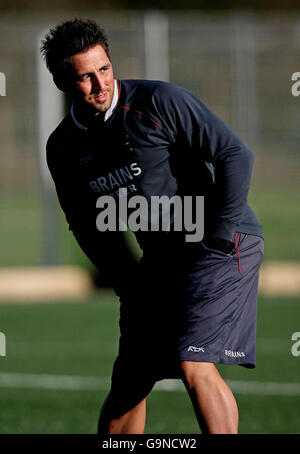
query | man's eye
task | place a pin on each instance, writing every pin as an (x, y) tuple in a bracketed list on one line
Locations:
[(84, 77)]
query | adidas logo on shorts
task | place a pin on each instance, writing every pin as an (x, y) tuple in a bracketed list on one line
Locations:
[(195, 349)]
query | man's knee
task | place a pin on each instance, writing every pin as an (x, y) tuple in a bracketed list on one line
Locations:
[(120, 401), (197, 373), (105, 416), (114, 419), (115, 406)]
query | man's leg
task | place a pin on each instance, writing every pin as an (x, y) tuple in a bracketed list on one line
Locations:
[(131, 422), (214, 404)]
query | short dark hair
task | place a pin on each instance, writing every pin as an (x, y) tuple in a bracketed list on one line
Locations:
[(70, 38)]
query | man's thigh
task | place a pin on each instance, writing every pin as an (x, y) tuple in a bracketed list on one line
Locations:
[(221, 305)]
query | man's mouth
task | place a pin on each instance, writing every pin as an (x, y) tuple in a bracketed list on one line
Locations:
[(101, 97)]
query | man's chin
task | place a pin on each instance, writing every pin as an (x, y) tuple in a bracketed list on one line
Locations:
[(101, 107)]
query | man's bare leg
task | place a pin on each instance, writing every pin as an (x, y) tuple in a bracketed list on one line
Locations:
[(214, 404), (132, 422)]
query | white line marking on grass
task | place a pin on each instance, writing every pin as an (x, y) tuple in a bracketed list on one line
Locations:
[(242, 387), (82, 383), (264, 388), (59, 382)]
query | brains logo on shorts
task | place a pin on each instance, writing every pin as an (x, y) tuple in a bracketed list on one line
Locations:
[(233, 354), (195, 349)]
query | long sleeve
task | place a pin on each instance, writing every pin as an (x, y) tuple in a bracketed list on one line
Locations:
[(108, 251), (207, 138)]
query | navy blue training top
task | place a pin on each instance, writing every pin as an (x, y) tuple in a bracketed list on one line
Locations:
[(160, 140)]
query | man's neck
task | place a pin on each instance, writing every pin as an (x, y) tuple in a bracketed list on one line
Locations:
[(86, 116)]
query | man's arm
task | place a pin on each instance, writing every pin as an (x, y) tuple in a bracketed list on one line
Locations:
[(190, 122), (106, 250)]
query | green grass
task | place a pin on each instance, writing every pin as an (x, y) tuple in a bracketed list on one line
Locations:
[(278, 210), (82, 340), (22, 228)]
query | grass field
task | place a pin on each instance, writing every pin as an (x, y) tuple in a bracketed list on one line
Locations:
[(278, 210), (59, 358)]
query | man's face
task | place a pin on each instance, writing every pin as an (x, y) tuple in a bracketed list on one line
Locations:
[(94, 79)]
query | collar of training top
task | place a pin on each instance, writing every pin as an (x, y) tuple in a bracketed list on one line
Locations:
[(108, 113)]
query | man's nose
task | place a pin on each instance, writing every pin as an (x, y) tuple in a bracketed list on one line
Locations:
[(98, 82)]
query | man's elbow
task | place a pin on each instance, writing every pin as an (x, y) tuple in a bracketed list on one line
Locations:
[(246, 158)]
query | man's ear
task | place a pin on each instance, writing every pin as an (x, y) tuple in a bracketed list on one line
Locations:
[(61, 85)]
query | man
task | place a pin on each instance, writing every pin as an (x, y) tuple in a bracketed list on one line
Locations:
[(187, 306)]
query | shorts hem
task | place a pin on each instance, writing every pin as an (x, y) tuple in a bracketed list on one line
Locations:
[(249, 363)]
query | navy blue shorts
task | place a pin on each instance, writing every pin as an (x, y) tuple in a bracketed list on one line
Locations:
[(221, 305), (198, 304)]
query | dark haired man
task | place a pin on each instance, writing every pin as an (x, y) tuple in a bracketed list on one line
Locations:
[(188, 305)]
